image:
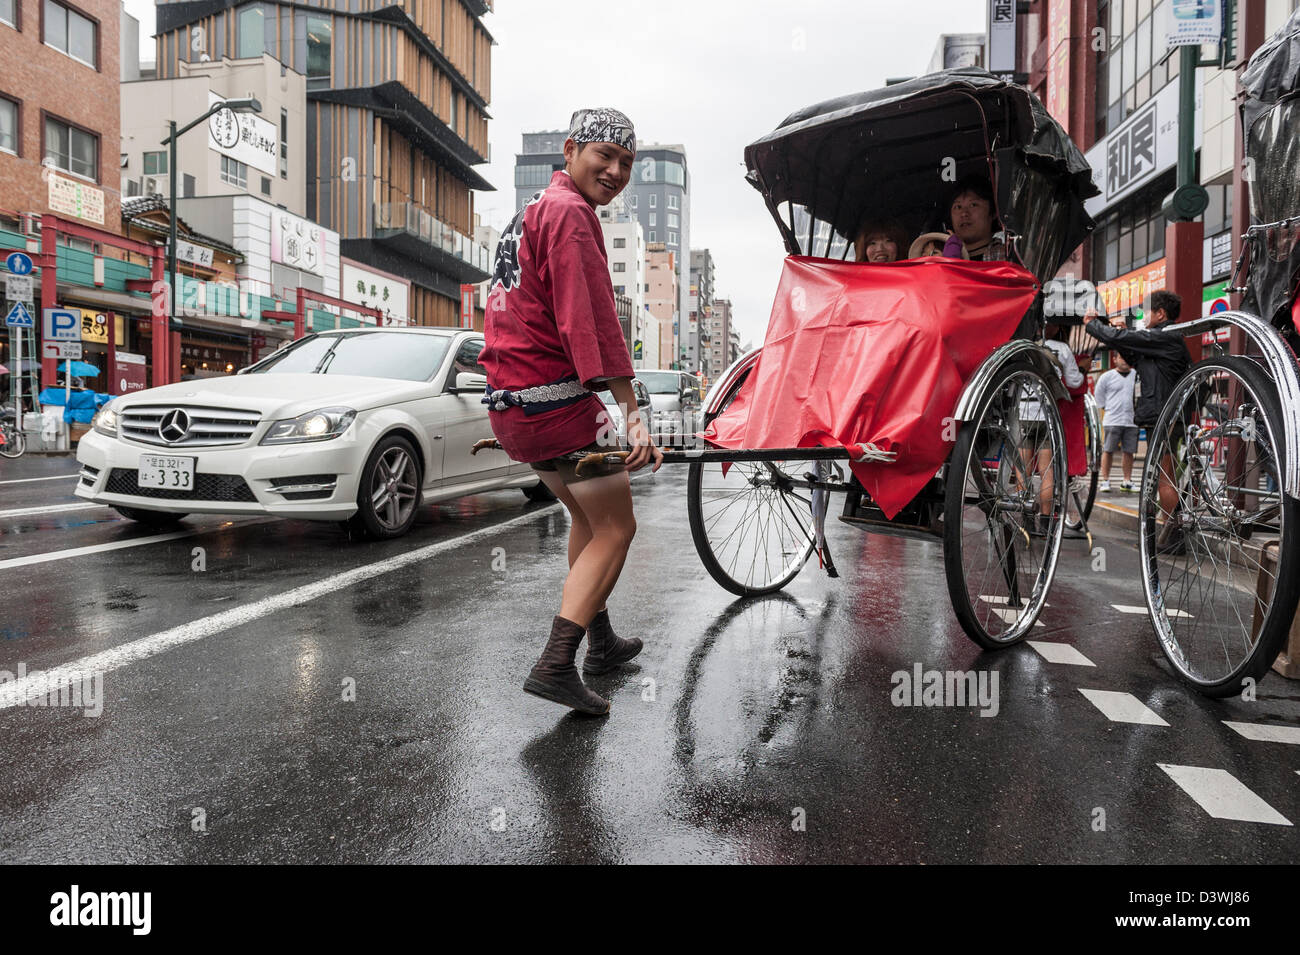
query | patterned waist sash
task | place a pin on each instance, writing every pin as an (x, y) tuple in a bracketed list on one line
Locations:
[(538, 398)]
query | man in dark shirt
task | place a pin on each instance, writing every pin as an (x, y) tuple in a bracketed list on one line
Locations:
[(1160, 357)]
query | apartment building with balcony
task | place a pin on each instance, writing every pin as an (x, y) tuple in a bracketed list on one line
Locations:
[(396, 121)]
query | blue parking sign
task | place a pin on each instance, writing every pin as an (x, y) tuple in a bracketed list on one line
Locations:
[(62, 325)]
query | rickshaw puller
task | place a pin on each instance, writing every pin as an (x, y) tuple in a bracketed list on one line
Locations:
[(553, 335)]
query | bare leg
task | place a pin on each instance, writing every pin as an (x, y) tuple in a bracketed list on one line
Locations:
[(1047, 485), (1127, 466), (1107, 459), (598, 549)]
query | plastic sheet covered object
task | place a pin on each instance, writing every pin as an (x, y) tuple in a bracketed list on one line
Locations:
[(858, 353)]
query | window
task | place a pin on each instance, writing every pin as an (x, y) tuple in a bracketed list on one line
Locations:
[(69, 32), (252, 31), (653, 197), (466, 359), (71, 149), (652, 237), (284, 143), (266, 186), (672, 238), (9, 12), (234, 172), (653, 217), (320, 39), (672, 202), (526, 176), (8, 125), (620, 266), (620, 289), (672, 219), (620, 243), (155, 163)]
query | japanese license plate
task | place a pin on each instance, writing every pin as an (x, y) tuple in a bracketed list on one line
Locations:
[(165, 471)]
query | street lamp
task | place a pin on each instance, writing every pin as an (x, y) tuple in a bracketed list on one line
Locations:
[(247, 104)]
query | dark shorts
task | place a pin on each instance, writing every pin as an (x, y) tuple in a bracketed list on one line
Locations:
[(1119, 437), (1033, 434), (567, 469)]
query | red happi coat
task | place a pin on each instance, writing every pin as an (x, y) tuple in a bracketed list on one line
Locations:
[(551, 315)]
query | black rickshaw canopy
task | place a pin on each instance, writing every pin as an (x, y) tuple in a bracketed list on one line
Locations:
[(1270, 119), (895, 152)]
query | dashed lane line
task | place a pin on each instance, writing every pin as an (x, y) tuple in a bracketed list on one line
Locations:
[(17, 691), (1123, 707), (56, 477), (48, 509), (1125, 608), (1266, 732), (1223, 795), (12, 562), (1060, 653)]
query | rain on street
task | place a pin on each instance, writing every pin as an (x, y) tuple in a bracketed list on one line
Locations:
[(273, 691)]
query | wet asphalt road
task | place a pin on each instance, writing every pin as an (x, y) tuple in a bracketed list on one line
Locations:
[(749, 731)]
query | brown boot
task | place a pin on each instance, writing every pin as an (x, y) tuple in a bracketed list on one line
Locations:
[(555, 678), (605, 650)]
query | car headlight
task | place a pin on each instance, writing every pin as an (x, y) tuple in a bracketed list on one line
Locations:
[(319, 425), (105, 420)]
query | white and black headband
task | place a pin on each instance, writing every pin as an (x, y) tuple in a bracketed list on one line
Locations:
[(602, 125)]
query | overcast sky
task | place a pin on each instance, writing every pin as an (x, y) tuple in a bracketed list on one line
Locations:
[(713, 75)]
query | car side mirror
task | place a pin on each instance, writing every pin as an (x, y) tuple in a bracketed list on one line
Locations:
[(468, 381)]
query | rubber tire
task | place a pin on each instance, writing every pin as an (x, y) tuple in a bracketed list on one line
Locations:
[(695, 512), (364, 523), (952, 529), (1282, 608), (148, 518), (15, 446), (539, 493), (694, 482)]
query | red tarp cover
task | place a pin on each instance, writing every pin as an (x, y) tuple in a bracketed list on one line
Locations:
[(859, 353)]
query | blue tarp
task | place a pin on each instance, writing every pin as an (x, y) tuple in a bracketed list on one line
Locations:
[(82, 405)]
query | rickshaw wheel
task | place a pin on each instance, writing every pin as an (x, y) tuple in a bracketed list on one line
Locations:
[(1220, 609), (753, 524), (999, 558), (1087, 497)]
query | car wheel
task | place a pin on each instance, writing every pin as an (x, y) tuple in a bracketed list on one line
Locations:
[(538, 493), (389, 490), (148, 518)]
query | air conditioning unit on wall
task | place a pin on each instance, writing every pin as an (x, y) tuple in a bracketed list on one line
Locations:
[(150, 186), (30, 223)]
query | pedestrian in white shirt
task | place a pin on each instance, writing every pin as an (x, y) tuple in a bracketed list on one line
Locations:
[(1035, 451), (1114, 394)]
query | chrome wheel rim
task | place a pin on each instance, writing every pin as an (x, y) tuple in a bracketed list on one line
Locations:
[(393, 489)]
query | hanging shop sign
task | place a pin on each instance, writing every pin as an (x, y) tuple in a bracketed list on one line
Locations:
[(245, 137)]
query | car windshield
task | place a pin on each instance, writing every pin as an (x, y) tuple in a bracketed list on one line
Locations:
[(661, 382), (399, 355)]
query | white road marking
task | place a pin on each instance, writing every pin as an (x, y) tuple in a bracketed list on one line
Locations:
[(1266, 732), (122, 544), (1124, 608), (48, 509), (1009, 615), (57, 477), (1223, 795), (1002, 599), (1122, 707), (12, 693), (1060, 653)]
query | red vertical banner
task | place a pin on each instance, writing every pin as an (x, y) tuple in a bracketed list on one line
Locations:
[(1058, 61), (467, 305)]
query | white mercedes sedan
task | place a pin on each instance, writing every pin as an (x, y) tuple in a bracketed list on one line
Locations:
[(360, 425)]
